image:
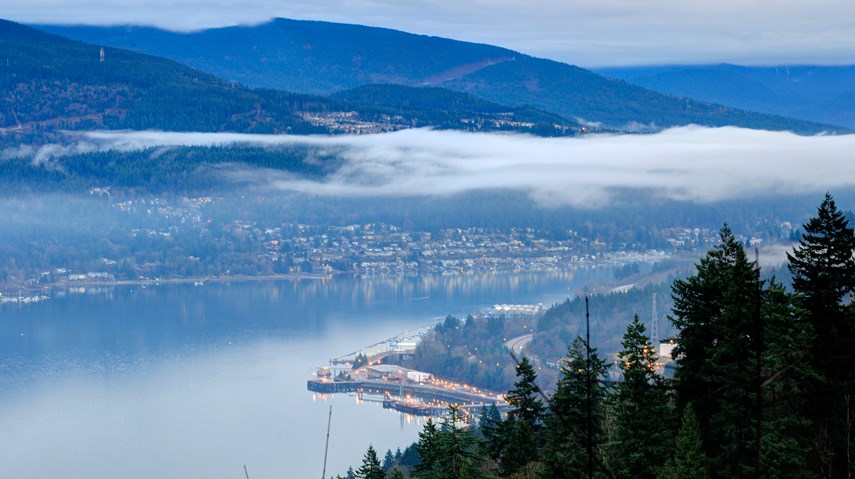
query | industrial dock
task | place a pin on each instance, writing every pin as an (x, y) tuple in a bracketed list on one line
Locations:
[(405, 390)]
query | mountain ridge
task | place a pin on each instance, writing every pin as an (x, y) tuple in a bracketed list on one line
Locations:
[(52, 83), (818, 93), (325, 57)]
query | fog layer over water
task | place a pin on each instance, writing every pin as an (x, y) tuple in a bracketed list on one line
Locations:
[(180, 381), (691, 163)]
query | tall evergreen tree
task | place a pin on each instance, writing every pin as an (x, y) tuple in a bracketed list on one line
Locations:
[(823, 269), (370, 468), (688, 461), (388, 460), (522, 429), (573, 426), (786, 430), (823, 265), (428, 447), (490, 429), (449, 452), (719, 354), (641, 438), (523, 398), (459, 449)]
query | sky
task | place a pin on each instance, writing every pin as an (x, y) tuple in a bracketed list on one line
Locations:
[(590, 33), (701, 165)]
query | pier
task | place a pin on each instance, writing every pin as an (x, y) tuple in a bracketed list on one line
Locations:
[(401, 389), (433, 398), (396, 348)]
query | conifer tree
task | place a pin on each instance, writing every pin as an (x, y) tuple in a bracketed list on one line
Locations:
[(428, 447), (448, 452), (570, 442), (719, 354), (523, 398), (689, 461), (823, 268), (370, 468), (388, 460), (459, 449), (640, 442), (786, 430), (522, 429), (491, 430)]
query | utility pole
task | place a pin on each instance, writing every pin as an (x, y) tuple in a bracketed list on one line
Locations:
[(588, 386), (327, 446), (758, 388)]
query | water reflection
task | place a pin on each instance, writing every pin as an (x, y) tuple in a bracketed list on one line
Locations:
[(196, 381)]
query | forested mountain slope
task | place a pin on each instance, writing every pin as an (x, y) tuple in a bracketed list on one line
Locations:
[(51, 82), (816, 93), (321, 57)]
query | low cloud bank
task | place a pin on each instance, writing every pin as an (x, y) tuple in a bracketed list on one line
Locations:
[(687, 164)]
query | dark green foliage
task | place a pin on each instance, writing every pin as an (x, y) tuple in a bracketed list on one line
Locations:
[(470, 351), (187, 170), (490, 428), (823, 269), (786, 443), (640, 438), (718, 314), (63, 84), (746, 365), (744, 360), (525, 403), (823, 265), (410, 456), (564, 321), (574, 426), (571, 91), (370, 468), (388, 460), (688, 461), (428, 447), (449, 452), (51, 83), (450, 109), (522, 429)]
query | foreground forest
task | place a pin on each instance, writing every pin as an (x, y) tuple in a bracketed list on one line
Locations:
[(762, 386)]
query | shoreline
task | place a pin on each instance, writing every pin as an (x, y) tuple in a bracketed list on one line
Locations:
[(42, 288)]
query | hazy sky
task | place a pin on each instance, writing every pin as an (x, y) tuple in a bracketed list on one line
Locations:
[(589, 33), (688, 164)]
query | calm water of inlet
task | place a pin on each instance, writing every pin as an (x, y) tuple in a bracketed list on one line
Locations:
[(178, 381)]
